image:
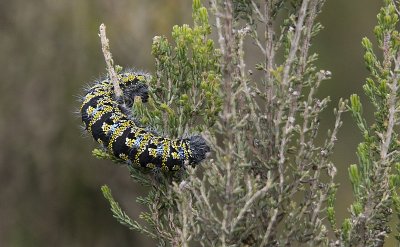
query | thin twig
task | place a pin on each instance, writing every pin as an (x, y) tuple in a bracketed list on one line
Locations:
[(269, 229), (295, 41), (105, 46), (250, 202)]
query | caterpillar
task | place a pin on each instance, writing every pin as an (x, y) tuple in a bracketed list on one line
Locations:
[(109, 121)]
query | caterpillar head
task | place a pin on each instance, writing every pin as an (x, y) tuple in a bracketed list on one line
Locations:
[(134, 85), (200, 149)]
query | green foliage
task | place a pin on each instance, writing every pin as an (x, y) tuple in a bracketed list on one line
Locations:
[(330, 210), (394, 186), (374, 178), (269, 182), (102, 154), (120, 215), (185, 89), (185, 98)]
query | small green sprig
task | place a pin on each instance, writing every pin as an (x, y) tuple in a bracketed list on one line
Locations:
[(374, 178), (186, 87), (121, 216)]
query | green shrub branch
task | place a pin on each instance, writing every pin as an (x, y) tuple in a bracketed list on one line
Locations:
[(269, 180)]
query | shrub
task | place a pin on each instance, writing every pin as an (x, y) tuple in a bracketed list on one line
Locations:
[(268, 182)]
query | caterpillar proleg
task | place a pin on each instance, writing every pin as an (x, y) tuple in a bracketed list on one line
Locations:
[(108, 121)]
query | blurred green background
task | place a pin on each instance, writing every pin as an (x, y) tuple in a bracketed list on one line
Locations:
[(49, 50)]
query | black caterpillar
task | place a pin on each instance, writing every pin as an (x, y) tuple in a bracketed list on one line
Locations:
[(108, 120)]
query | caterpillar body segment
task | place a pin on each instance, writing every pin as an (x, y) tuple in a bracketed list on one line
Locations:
[(108, 120)]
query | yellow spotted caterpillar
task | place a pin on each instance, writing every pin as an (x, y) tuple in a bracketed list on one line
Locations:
[(109, 121)]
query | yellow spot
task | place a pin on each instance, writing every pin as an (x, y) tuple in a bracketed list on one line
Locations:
[(105, 127), (118, 132), (129, 142), (154, 141), (153, 152), (100, 141), (175, 155), (89, 110), (123, 156), (151, 165)]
